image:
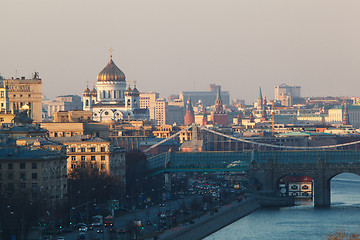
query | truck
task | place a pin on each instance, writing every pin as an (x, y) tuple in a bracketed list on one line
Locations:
[(109, 221), (97, 220)]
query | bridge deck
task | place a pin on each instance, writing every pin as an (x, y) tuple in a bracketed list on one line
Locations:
[(239, 161)]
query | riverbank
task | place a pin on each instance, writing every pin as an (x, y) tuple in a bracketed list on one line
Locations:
[(212, 222)]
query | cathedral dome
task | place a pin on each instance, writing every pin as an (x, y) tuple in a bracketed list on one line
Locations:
[(111, 73), (86, 93)]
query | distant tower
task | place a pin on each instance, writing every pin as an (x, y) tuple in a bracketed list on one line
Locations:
[(251, 117), (240, 117), (189, 117), (346, 119), (205, 118), (259, 101), (219, 116), (87, 99), (132, 98), (263, 111)]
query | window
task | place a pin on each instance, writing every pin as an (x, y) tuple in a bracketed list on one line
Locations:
[(22, 176), (22, 185), (102, 157), (22, 165), (34, 176), (73, 158), (92, 158), (34, 185), (82, 158), (103, 167), (10, 166), (82, 149), (92, 149), (72, 149), (73, 166), (33, 165), (11, 176), (0, 165), (11, 186), (102, 149)]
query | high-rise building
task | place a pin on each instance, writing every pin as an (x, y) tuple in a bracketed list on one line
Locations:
[(207, 97), (167, 114), (287, 95)]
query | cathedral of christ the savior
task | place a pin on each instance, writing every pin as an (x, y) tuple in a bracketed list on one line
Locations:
[(111, 101)]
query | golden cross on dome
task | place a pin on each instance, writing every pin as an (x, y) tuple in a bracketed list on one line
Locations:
[(134, 83), (111, 51), (87, 83)]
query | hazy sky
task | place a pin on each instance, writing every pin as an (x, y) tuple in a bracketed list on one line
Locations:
[(171, 46)]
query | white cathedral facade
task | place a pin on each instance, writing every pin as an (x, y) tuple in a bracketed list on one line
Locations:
[(111, 101)]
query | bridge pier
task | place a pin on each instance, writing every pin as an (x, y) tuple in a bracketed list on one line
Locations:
[(167, 182), (321, 192)]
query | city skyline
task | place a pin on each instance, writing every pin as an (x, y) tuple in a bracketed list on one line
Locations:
[(170, 47)]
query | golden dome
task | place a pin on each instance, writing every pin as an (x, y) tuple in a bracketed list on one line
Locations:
[(86, 92), (111, 73)]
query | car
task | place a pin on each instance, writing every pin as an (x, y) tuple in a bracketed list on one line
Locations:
[(60, 238), (122, 231), (83, 229), (113, 230), (161, 204), (100, 230)]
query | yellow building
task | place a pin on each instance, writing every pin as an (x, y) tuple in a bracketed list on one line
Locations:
[(24, 92), (73, 116), (93, 152), (68, 129)]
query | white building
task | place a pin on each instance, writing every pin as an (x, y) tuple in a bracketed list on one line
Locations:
[(111, 101)]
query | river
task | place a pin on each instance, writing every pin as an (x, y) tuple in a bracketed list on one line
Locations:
[(302, 221)]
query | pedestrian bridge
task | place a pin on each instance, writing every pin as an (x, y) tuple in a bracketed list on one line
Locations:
[(266, 168), (265, 163)]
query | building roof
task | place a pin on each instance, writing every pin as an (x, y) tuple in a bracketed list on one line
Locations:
[(111, 73), (78, 138), (24, 153)]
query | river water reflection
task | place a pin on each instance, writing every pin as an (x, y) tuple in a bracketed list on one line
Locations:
[(302, 221)]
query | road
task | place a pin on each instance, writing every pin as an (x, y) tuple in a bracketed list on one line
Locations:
[(143, 215)]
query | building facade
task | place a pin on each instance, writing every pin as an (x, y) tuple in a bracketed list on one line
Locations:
[(36, 174), (64, 103), (26, 94), (86, 151)]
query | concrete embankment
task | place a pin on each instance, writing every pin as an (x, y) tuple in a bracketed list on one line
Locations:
[(207, 225)]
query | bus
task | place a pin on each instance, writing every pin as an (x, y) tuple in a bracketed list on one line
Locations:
[(109, 221), (97, 220)]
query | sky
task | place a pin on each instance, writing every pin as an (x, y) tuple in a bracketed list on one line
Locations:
[(169, 46)]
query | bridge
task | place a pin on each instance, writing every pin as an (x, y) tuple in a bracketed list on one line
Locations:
[(265, 163)]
